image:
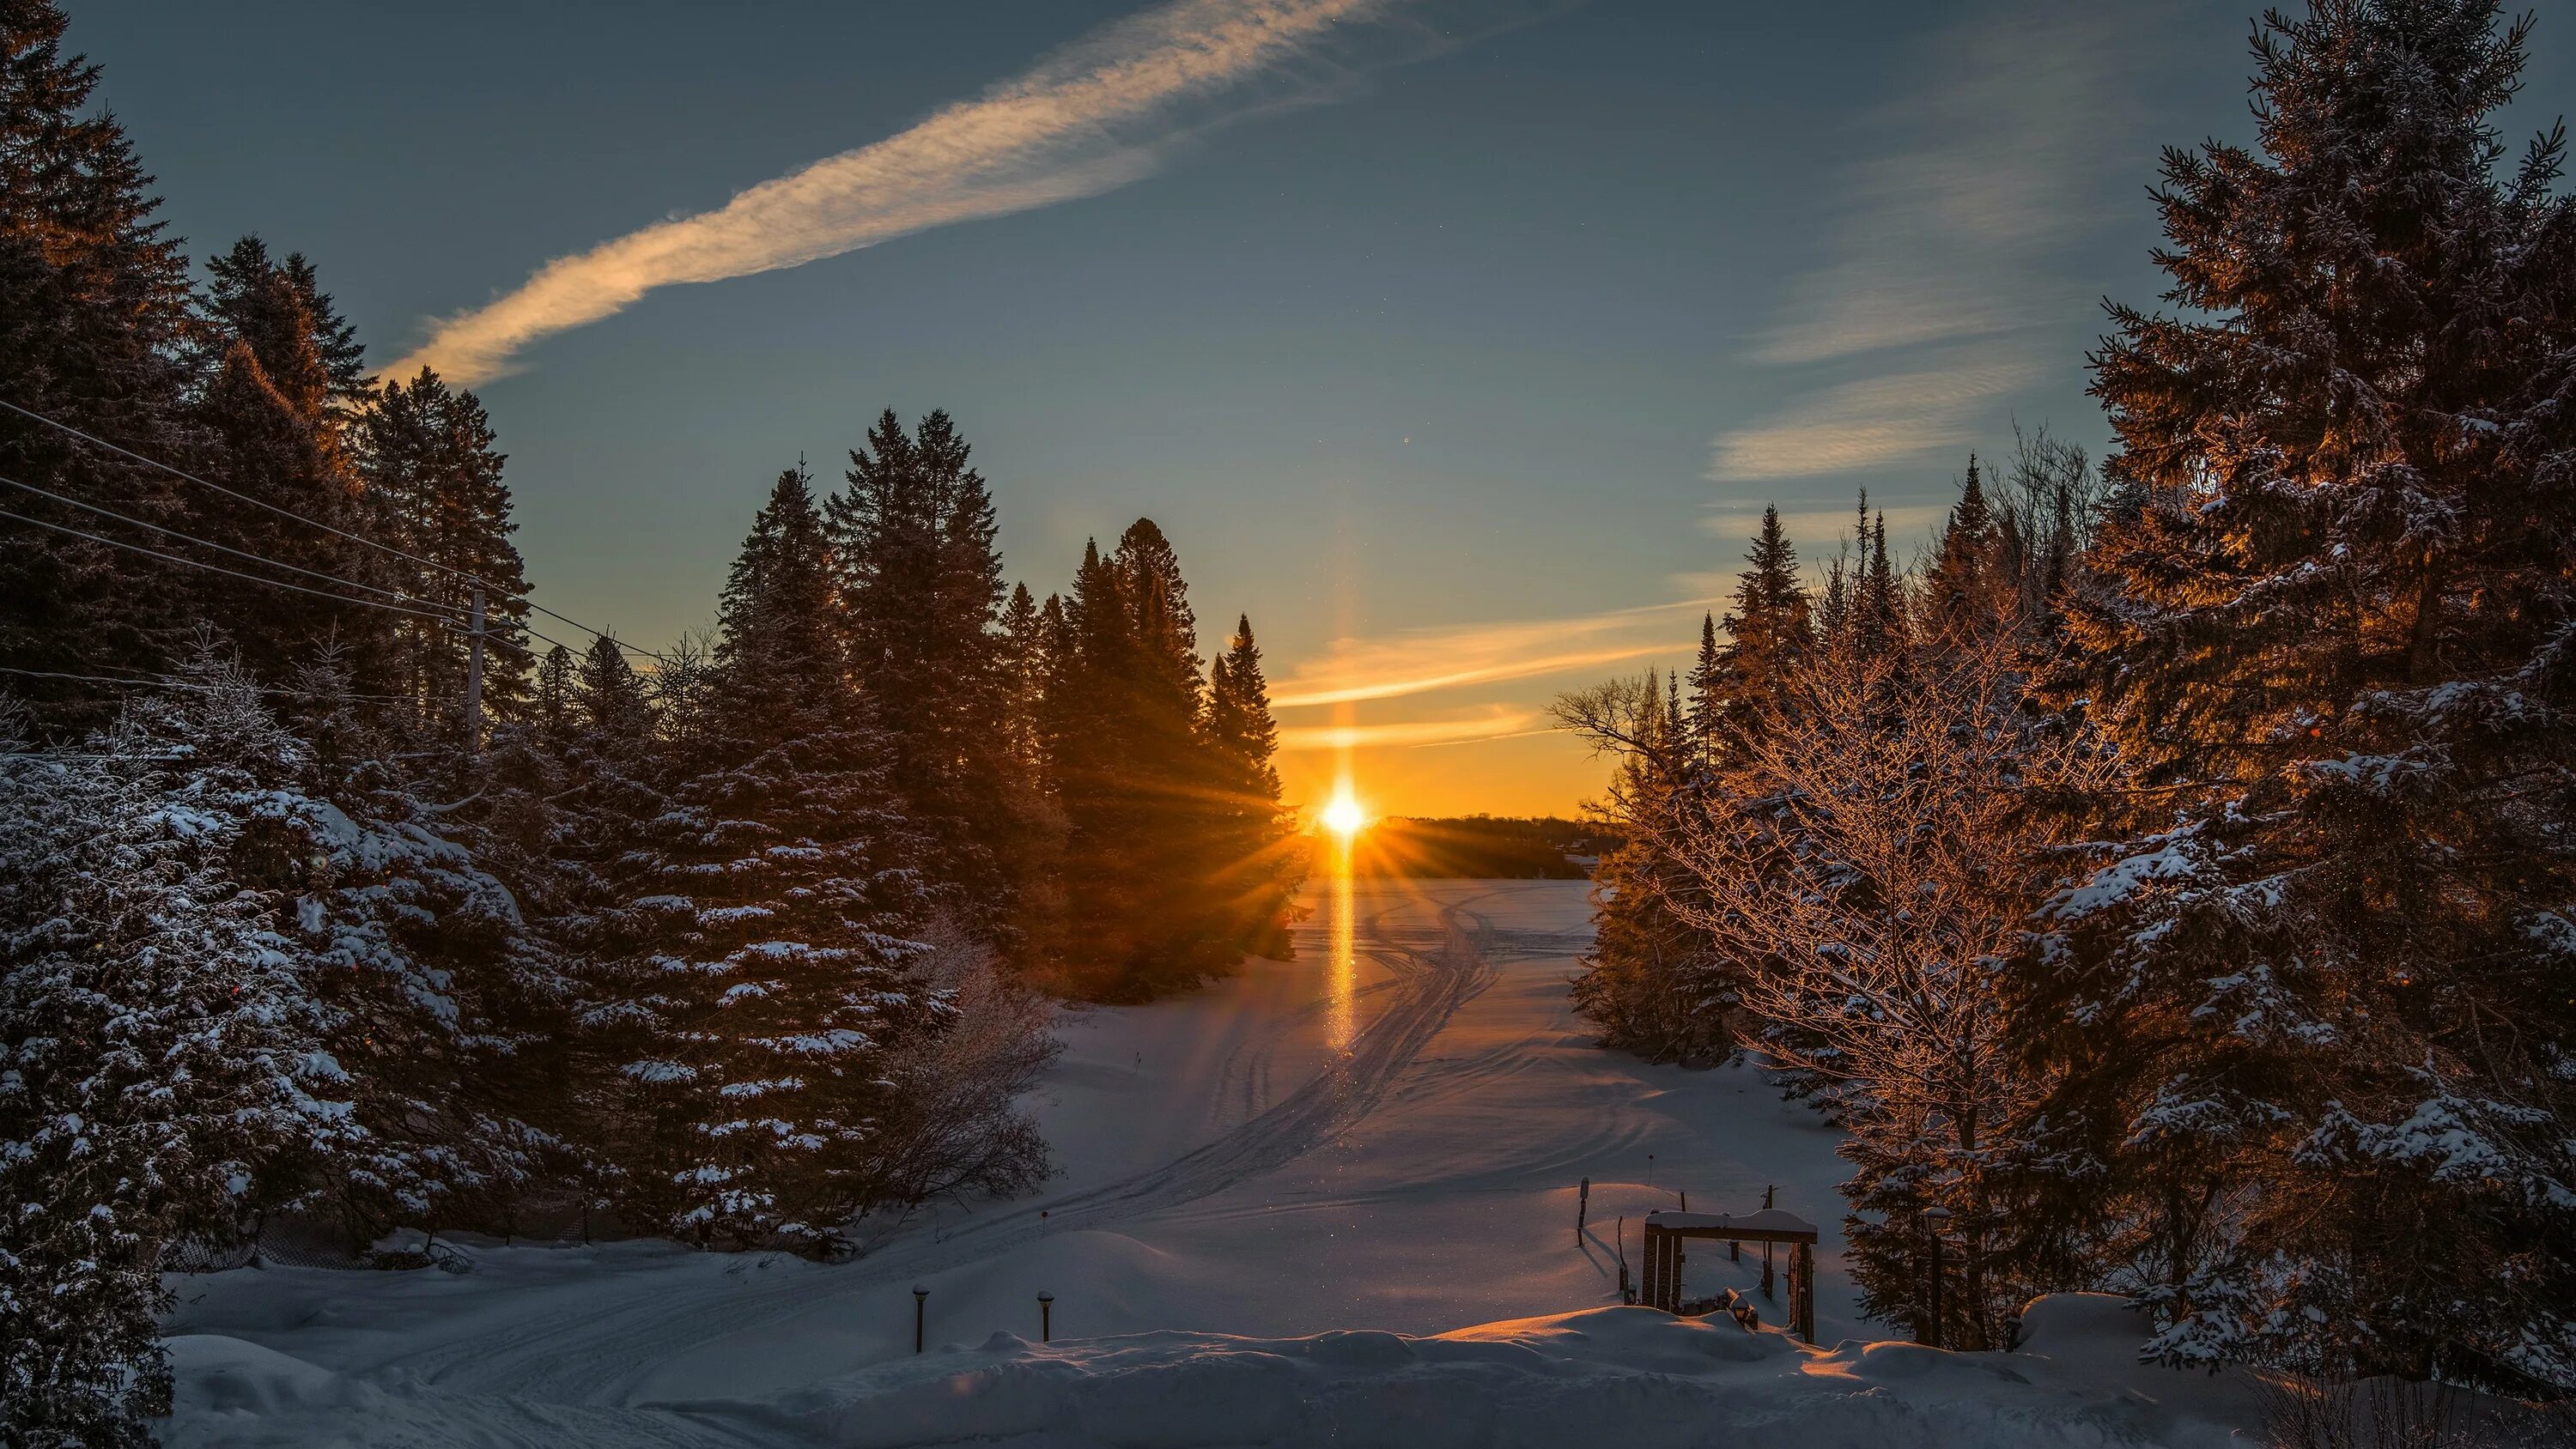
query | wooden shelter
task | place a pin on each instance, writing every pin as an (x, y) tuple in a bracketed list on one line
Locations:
[(1663, 1266)]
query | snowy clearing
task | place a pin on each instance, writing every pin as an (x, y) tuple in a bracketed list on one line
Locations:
[(1283, 1197)]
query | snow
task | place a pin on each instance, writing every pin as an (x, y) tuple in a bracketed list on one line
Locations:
[(1282, 1197), (1765, 1221)]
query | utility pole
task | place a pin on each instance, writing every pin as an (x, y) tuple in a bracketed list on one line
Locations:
[(474, 680)]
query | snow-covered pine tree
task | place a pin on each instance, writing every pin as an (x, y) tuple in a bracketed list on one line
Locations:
[(1649, 982), (2318, 1020), (784, 879), (163, 1064), (93, 308)]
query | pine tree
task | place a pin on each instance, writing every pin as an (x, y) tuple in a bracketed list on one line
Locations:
[(1960, 589), (279, 444), (1255, 876), (93, 311), (1708, 693), (1768, 631), (2321, 1034), (920, 587), (1878, 606), (552, 714), (276, 424), (1141, 788), (1649, 982), (310, 352), (1021, 658), (437, 494), (775, 980), (165, 1056)]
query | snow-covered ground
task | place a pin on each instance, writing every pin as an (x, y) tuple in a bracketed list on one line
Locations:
[(1283, 1197)]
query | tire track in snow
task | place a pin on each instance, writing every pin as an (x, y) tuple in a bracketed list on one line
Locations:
[(598, 1357)]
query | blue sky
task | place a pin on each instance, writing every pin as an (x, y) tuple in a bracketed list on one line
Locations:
[(1457, 343)]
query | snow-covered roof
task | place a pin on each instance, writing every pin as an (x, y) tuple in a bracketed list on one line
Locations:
[(1767, 1220)]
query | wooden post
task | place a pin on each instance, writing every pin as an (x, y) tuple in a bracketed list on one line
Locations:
[(1802, 1259), (474, 679), (1582, 1205), (1767, 1190)]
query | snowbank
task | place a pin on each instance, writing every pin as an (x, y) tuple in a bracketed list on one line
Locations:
[(1630, 1377)]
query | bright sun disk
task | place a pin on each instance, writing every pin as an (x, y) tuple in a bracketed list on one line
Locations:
[(1343, 816)]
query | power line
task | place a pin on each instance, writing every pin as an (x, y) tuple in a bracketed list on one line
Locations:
[(221, 548), (217, 568), (326, 528), (448, 617), (185, 684)]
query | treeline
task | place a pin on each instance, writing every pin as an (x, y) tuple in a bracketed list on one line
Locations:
[(1474, 847), (342, 881), (2169, 881)]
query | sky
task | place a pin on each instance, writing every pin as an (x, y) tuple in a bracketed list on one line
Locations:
[(1459, 345)]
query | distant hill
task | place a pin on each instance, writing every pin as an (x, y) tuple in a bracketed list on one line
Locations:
[(1484, 847)]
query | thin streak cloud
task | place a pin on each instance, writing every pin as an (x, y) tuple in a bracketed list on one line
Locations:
[(1068, 128), (1421, 661), (1937, 298), (1499, 722), (1873, 422)]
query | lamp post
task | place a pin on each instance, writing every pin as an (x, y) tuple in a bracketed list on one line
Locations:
[(920, 1313), (1046, 1316)]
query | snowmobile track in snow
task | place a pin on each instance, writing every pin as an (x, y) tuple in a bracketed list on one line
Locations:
[(598, 1357)]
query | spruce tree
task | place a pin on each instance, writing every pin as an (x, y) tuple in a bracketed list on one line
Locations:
[(1960, 587), (1768, 631), (2319, 1024), (435, 484), (1255, 877), (1649, 982), (276, 441), (1708, 697), (920, 585), (167, 1063), (1141, 787), (93, 312), (774, 978), (290, 324)]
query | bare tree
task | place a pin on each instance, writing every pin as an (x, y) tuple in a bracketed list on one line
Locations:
[(959, 1127), (1878, 854)]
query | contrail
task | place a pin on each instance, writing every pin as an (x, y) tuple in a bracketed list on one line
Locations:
[(1050, 135)]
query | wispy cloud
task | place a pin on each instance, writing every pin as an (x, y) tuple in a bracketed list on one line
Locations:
[(1494, 723), (1092, 117), (1873, 421), (1421, 661), (1942, 291)]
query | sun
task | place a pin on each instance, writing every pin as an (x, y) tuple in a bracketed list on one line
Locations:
[(1342, 815)]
